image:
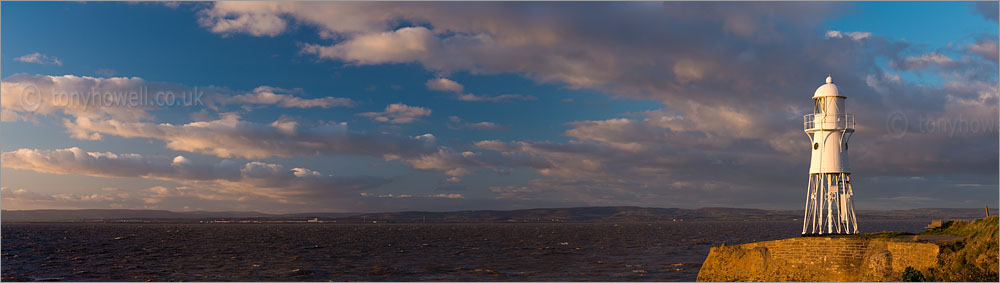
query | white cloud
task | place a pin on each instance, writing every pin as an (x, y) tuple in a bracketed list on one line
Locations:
[(105, 164), (452, 196), (689, 70), (398, 113), (454, 122), (253, 178), (76, 96), (453, 164), (130, 99), (986, 48), (854, 35), (7, 115), (39, 58), (272, 18), (516, 192), (498, 98), (406, 196), (229, 136), (444, 84), (240, 20), (927, 59), (402, 45), (483, 126), (277, 96)]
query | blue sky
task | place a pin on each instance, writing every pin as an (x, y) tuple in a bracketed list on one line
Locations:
[(525, 104)]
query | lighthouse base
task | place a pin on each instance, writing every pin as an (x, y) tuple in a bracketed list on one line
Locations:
[(829, 205)]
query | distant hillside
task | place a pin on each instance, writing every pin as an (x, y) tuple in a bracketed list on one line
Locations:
[(631, 213), (573, 214), (583, 214), (59, 215), (925, 214)]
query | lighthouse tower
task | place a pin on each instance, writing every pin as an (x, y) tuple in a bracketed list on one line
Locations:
[(829, 208)]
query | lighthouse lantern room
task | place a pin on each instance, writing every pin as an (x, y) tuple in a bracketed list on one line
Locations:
[(829, 208)]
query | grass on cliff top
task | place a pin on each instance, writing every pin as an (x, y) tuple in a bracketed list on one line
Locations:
[(964, 228), (975, 258)]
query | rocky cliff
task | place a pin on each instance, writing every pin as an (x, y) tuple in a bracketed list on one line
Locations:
[(964, 251), (817, 259)]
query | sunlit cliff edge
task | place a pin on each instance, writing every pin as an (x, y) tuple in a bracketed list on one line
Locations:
[(959, 251)]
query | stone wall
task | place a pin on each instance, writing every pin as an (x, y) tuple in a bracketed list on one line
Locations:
[(818, 259)]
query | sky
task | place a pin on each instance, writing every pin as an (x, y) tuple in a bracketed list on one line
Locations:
[(365, 107)]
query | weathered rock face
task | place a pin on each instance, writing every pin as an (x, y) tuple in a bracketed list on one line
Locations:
[(818, 259)]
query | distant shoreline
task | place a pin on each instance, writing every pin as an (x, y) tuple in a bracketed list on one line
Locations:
[(539, 215)]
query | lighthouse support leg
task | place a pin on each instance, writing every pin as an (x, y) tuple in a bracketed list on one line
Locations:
[(817, 219), (850, 203), (844, 200), (829, 206), (817, 205), (805, 216)]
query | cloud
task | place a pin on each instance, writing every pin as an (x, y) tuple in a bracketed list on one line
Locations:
[(491, 37), (500, 38), (402, 45), (854, 35), (733, 80), (276, 96), (106, 72), (271, 19), (39, 58), (229, 136), (444, 84), (971, 64), (238, 20), (726, 109), (7, 115), (517, 192), (405, 196), (498, 98), (985, 47), (12, 193), (77, 96), (451, 196), (453, 164), (454, 122), (925, 61), (483, 126), (229, 177), (398, 113), (105, 164), (987, 9), (131, 98), (667, 158)]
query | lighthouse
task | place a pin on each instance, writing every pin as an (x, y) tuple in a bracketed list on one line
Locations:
[(829, 205)]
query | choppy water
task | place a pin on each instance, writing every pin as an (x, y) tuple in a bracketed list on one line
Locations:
[(660, 251)]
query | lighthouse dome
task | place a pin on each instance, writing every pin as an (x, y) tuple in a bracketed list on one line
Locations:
[(828, 89)]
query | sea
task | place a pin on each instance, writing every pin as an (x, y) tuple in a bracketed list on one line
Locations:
[(628, 251)]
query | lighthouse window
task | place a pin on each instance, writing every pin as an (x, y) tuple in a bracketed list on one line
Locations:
[(845, 146), (819, 106), (816, 146)]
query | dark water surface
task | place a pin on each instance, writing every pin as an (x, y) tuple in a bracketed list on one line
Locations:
[(656, 251)]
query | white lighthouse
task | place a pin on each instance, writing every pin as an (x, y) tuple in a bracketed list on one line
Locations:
[(829, 208)]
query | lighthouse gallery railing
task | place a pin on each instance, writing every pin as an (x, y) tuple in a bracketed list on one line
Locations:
[(828, 122)]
